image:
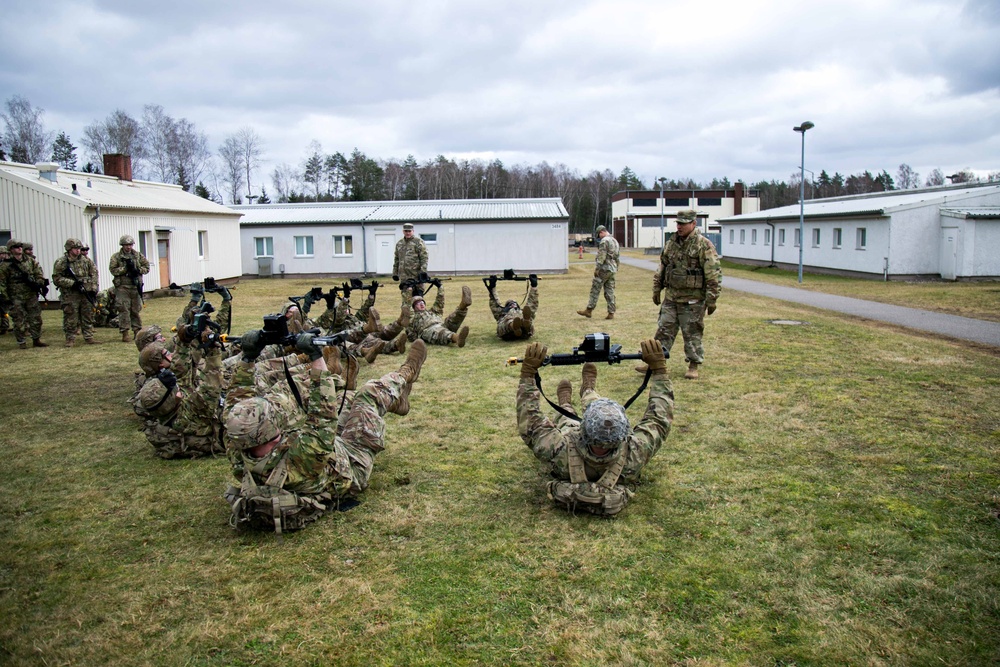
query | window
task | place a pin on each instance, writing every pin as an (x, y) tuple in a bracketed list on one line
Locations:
[(263, 246), (343, 246), (815, 237), (838, 236), (430, 238), (781, 237), (144, 244), (862, 238), (743, 236), (643, 202), (202, 244), (753, 237), (797, 237), (767, 237), (675, 201), (303, 246), (709, 201), (732, 236)]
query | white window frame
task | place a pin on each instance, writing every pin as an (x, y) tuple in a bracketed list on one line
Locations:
[(816, 237), (202, 244), (798, 237), (732, 237), (262, 242), (781, 237), (307, 246), (430, 238), (838, 237), (767, 237), (743, 237), (340, 242), (862, 237), (753, 237)]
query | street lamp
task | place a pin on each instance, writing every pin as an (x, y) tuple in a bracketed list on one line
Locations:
[(802, 192), (661, 179)]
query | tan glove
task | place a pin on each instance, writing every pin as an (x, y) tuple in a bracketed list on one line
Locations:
[(656, 297), (652, 354), (534, 356)]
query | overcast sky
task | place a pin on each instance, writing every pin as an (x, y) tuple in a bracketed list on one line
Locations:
[(676, 89)]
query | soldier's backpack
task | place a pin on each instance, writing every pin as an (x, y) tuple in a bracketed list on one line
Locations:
[(268, 506), (172, 444), (605, 497)]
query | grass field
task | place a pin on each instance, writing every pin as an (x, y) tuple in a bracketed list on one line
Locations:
[(828, 496)]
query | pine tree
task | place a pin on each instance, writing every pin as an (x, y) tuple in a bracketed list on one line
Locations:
[(263, 199), (202, 191)]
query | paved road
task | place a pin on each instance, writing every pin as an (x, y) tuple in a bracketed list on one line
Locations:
[(953, 326)]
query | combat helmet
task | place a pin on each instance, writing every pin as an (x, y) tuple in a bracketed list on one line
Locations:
[(253, 422), (73, 243), (158, 396), (150, 358), (604, 426), (147, 335), (126, 240)]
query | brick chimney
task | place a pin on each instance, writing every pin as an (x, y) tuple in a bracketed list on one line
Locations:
[(118, 165), (738, 194)]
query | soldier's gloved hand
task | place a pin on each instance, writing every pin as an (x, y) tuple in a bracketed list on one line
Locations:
[(373, 287), (210, 339), (331, 299), (251, 343), (225, 293), (197, 291), (304, 343), (395, 278), (533, 280), (709, 307), (534, 356), (656, 296), (652, 354), (597, 273), (185, 333), (493, 282)]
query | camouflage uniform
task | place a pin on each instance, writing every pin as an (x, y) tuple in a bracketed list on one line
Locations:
[(16, 278), (429, 326), (4, 317), (605, 268), (106, 312), (510, 314), (550, 442), (318, 459), (691, 274), (127, 295), (76, 278), (410, 259)]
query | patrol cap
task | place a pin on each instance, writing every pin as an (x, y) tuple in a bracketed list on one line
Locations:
[(147, 335), (252, 422), (601, 228), (686, 216), (605, 426), (407, 226), (126, 240), (156, 398), (14, 244), (73, 243)]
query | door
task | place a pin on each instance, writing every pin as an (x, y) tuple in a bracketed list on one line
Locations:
[(949, 253), (163, 260), (385, 253)]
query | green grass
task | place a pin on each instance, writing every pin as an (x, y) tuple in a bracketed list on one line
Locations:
[(827, 496)]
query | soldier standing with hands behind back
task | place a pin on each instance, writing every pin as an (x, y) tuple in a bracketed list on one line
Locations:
[(128, 267), (605, 268), (410, 259)]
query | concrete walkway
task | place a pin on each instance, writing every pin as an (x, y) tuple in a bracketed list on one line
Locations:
[(953, 326)]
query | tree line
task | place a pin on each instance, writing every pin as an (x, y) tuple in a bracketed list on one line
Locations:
[(173, 150)]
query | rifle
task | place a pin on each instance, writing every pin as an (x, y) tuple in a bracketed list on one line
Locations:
[(421, 279), (78, 285), (310, 297), (595, 348), (132, 272), (41, 288), (508, 274), (275, 332)]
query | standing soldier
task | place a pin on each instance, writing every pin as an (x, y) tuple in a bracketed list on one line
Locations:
[(606, 266), (411, 258), (21, 282), (691, 274), (76, 278), (128, 267), (4, 317)]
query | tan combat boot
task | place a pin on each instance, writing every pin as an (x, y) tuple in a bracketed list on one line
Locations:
[(69, 342), (410, 370), (564, 393), (589, 375), (527, 314), (91, 341), (351, 380), (466, 298), (331, 355), (125, 336), (373, 325), (517, 325), (37, 342), (374, 351), (586, 312), (459, 338), (641, 368), (404, 316), (401, 406), (399, 342), (610, 316), (692, 371)]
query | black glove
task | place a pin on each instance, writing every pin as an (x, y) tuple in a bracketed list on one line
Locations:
[(493, 283), (373, 287), (304, 343), (331, 300), (251, 343), (396, 278), (78, 286), (436, 282), (533, 280)]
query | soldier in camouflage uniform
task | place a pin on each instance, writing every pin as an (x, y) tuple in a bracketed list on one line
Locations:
[(410, 259), (106, 311), (428, 325), (601, 453), (182, 415), (21, 282), (295, 443), (128, 266), (4, 316), (605, 269), (514, 322), (691, 274), (76, 278)]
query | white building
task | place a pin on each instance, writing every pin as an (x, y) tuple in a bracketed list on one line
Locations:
[(637, 216), (359, 238), (949, 232), (184, 237)]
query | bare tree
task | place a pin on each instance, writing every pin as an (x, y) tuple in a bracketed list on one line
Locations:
[(936, 177), (24, 134), (906, 178), (118, 133), (285, 179), (232, 166), (251, 149)]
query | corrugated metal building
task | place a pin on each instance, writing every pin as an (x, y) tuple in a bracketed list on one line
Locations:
[(184, 237), (359, 238), (951, 232)]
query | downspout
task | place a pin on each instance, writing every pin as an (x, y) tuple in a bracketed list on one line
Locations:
[(364, 248), (93, 231), (774, 240), (888, 253)]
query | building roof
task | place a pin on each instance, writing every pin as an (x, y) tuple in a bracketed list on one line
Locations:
[(973, 212), (465, 210), (111, 192), (877, 204)]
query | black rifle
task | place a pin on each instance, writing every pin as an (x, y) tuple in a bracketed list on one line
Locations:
[(79, 286), (595, 348), (41, 288), (310, 297), (422, 279), (508, 274), (202, 322), (133, 273), (275, 332)]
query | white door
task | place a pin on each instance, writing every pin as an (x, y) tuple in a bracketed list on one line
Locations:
[(949, 253), (385, 253)]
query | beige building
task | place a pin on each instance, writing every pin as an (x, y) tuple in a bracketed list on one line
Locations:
[(186, 238)]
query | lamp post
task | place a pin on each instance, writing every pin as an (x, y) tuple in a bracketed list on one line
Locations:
[(661, 179), (802, 192)]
